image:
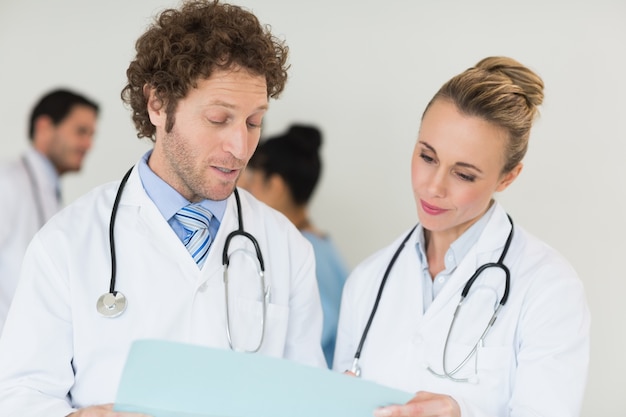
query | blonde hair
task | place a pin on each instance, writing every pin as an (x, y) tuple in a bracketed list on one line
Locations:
[(501, 91)]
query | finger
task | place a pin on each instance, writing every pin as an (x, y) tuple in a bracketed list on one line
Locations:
[(423, 396), (389, 411), (411, 409), (424, 404), (403, 410), (109, 407), (124, 414), (128, 414), (431, 404)]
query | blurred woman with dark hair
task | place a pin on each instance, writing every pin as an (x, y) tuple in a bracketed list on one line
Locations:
[(283, 173)]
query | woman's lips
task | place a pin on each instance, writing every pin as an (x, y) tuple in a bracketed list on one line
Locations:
[(430, 209)]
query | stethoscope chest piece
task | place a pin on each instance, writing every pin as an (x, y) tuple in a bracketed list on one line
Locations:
[(111, 304)]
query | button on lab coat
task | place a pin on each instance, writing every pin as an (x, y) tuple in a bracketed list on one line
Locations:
[(56, 343), (534, 359)]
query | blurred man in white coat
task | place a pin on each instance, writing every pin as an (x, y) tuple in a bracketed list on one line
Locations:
[(61, 131)]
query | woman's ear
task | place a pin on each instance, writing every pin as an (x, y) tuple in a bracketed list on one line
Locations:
[(276, 185), (278, 192), (509, 177)]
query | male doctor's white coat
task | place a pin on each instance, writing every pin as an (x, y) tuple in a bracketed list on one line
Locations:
[(534, 359), (58, 354)]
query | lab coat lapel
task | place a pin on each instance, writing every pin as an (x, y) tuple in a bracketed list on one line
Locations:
[(213, 265), (243, 262), (414, 281), (44, 185), (156, 234), (487, 249)]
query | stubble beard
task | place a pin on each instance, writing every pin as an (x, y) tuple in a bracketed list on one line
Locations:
[(193, 179)]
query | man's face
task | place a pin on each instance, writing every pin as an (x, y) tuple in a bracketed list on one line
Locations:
[(67, 143), (216, 130)]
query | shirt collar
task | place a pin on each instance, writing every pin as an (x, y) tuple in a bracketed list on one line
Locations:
[(43, 163), (460, 247), (166, 198)]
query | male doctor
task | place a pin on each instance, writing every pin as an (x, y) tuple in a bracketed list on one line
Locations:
[(61, 129), (199, 88)]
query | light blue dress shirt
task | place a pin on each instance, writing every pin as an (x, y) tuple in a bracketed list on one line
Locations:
[(454, 255), (169, 201)]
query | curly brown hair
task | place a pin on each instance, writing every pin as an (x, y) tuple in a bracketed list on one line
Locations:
[(185, 45)]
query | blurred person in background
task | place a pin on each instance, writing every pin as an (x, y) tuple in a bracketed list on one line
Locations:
[(283, 173), (61, 131)]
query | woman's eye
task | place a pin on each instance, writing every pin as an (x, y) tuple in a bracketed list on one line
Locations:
[(467, 177), (426, 158)]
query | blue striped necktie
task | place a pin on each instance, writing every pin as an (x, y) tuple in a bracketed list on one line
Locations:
[(195, 219)]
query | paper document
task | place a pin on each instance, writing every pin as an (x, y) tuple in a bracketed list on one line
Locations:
[(167, 379)]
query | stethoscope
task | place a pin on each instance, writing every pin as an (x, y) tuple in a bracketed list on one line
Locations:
[(356, 369), (35, 189), (113, 303)]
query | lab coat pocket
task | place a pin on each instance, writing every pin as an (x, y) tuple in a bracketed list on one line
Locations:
[(250, 329), (488, 366)]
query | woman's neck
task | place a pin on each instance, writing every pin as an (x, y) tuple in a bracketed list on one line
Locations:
[(299, 217), (436, 247)]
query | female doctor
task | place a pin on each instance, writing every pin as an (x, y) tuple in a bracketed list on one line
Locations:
[(518, 344)]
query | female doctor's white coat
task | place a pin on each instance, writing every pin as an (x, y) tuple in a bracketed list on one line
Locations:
[(58, 353), (534, 359)]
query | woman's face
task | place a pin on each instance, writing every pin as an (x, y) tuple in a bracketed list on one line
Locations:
[(253, 180), (456, 168)]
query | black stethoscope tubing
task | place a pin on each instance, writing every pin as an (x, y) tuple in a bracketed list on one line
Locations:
[(357, 355), (35, 191), (113, 303), (464, 293), (118, 196), (241, 232)]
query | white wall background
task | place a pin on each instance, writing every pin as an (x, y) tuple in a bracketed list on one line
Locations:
[(364, 70)]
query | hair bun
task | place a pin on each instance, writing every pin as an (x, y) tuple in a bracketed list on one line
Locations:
[(309, 137), (529, 82)]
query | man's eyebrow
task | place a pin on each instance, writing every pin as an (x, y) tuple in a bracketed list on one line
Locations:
[(222, 103)]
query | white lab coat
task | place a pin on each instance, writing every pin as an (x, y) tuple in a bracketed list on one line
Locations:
[(55, 343), (535, 358), (20, 216)]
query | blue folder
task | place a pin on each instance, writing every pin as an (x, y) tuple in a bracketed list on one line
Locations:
[(167, 379)]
